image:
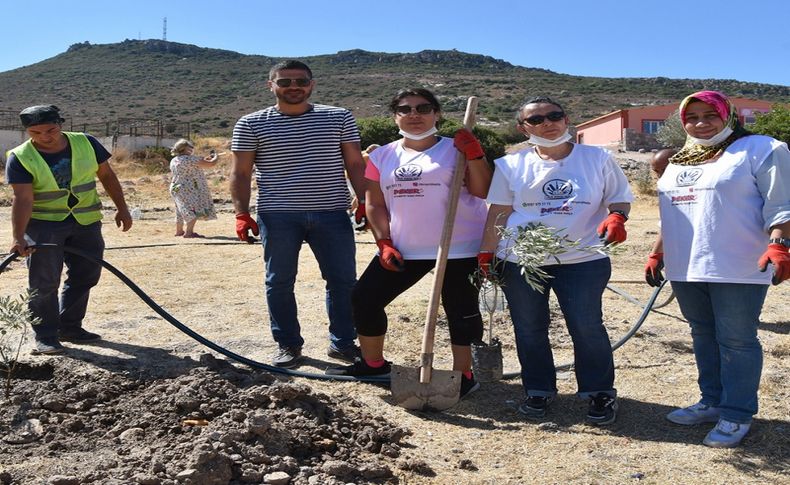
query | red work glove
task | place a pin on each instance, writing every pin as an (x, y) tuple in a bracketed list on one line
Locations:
[(244, 223), (612, 229), (484, 261), (655, 263), (389, 257), (779, 256), (359, 214), (467, 144)]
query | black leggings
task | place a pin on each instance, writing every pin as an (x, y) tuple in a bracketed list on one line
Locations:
[(377, 287)]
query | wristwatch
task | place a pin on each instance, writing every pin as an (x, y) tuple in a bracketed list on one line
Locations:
[(622, 213), (780, 240)]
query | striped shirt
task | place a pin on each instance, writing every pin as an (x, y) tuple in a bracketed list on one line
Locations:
[(298, 161)]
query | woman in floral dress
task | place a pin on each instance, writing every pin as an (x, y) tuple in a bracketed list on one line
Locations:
[(189, 188)]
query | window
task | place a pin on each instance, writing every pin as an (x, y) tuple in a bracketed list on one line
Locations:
[(651, 126)]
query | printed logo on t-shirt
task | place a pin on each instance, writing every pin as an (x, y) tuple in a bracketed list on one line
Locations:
[(61, 170), (408, 172), (558, 189), (688, 177)]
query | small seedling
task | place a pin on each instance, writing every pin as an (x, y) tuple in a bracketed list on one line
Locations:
[(15, 316)]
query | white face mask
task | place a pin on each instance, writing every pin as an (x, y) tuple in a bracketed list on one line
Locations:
[(418, 136), (546, 143), (714, 140)]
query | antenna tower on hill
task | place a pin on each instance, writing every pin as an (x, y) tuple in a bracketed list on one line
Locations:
[(164, 29)]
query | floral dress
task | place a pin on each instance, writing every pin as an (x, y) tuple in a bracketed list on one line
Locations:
[(190, 190)]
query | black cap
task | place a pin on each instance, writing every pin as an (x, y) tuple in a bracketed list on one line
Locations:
[(40, 115)]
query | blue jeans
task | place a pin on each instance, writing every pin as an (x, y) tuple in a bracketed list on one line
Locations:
[(331, 238), (724, 319), (46, 265), (579, 288)]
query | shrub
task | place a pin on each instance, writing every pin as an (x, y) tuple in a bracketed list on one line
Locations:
[(775, 123), (672, 134)]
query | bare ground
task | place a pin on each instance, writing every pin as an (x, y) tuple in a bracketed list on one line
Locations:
[(114, 412)]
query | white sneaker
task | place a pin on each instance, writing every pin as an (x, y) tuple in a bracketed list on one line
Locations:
[(726, 434), (695, 414)]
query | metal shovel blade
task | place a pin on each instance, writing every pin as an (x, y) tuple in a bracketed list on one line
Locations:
[(442, 392)]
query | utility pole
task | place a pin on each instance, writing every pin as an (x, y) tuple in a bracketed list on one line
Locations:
[(164, 29)]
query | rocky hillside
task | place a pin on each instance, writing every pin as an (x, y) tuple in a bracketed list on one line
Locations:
[(211, 88)]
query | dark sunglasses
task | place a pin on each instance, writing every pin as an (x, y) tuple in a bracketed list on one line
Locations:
[(423, 109), (286, 83), (536, 120)]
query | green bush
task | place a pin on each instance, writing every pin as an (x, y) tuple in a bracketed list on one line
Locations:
[(775, 123), (379, 130)]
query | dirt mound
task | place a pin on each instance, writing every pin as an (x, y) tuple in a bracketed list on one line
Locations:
[(212, 424)]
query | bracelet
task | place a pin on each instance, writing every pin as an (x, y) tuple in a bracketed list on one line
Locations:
[(780, 240)]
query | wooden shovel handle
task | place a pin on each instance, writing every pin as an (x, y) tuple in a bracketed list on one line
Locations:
[(426, 359)]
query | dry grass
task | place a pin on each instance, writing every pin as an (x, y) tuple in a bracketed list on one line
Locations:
[(216, 287)]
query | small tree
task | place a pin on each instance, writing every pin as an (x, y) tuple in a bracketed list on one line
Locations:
[(775, 123), (672, 134), (15, 316)]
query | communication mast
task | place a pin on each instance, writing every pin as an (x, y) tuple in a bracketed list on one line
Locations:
[(164, 29)]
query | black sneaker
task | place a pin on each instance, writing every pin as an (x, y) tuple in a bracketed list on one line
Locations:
[(360, 368), (602, 410), (78, 336), (534, 407), (348, 354), (287, 357), (48, 346), (468, 386)]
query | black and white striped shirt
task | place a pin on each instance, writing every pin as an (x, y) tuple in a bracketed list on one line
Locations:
[(298, 160)]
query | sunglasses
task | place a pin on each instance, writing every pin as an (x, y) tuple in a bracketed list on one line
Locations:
[(422, 109), (536, 120), (301, 82)]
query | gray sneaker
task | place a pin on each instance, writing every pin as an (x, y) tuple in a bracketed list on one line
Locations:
[(287, 357), (695, 414), (48, 346), (726, 434), (347, 354), (534, 407)]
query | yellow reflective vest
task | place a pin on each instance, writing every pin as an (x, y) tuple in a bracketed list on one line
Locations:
[(50, 202)]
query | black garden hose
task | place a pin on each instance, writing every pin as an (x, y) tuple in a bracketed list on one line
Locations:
[(279, 370)]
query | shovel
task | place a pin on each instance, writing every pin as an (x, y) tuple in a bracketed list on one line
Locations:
[(487, 358), (424, 388)]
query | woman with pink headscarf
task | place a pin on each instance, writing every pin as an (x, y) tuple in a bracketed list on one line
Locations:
[(725, 233)]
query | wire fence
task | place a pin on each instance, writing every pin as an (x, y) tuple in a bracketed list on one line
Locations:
[(9, 120)]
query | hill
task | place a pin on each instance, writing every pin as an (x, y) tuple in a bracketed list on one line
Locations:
[(211, 88)]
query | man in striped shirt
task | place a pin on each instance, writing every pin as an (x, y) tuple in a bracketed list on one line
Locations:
[(300, 151)]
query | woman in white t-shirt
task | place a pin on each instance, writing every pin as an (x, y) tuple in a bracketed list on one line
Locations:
[(581, 191), (406, 202), (723, 197)]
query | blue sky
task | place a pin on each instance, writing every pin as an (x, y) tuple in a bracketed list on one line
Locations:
[(611, 38)]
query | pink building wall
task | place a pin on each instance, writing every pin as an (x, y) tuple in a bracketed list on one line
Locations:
[(608, 129)]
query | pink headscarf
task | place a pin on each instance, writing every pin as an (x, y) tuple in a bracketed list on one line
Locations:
[(719, 102)]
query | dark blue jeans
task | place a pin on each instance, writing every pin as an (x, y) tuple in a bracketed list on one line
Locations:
[(724, 318), (579, 288), (331, 238), (46, 265)]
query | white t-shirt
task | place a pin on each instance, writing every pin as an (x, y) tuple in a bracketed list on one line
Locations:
[(712, 216), (571, 195), (416, 187)]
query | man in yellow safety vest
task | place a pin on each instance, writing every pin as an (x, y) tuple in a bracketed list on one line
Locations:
[(53, 177)]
